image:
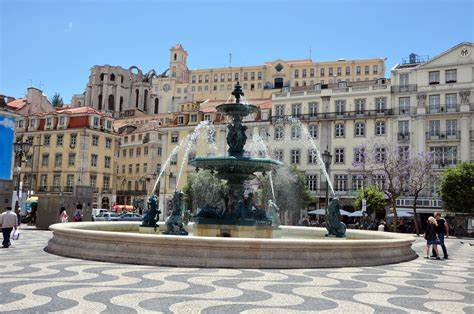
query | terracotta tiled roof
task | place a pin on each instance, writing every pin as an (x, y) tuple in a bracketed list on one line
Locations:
[(75, 110), (17, 104)]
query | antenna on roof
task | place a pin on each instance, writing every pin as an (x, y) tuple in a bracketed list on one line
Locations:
[(310, 52), (230, 59)]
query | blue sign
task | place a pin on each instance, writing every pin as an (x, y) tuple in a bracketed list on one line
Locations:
[(7, 133)]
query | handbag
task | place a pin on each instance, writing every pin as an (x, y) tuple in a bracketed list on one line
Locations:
[(16, 235)]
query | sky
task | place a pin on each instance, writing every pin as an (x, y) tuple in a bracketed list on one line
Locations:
[(53, 44)]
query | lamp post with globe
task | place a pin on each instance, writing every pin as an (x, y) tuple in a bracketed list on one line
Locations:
[(327, 157)]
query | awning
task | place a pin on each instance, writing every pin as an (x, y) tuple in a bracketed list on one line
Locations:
[(321, 212), (32, 199)]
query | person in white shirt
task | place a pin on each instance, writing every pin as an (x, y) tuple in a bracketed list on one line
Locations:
[(381, 226), (8, 221)]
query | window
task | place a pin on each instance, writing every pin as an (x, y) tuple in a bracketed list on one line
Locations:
[(297, 73), (380, 104), (380, 128), (321, 72), (159, 151), (108, 124), (93, 180), (130, 169), (45, 160), (280, 110), (61, 120), (95, 140), (295, 156), (93, 160), (341, 182), (404, 79), (380, 181), (59, 140), (312, 182), (32, 123), (312, 156), (311, 72), (358, 70), (348, 70), (313, 109), (380, 154), (451, 127), (403, 128), (56, 182), (20, 123), (358, 182), (279, 155), (313, 130), (49, 122), (375, 69), (193, 118), (360, 105), (43, 181), (130, 152), (359, 155), (279, 133), (207, 117), (340, 107), (259, 75), (339, 129), (359, 129), (444, 155), (70, 182), (174, 160), (404, 152), (73, 139), (145, 150), (107, 162), (339, 71), (108, 142), (174, 138), (106, 182), (366, 70), (434, 128), (123, 169), (339, 156), (434, 77), (145, 167), (47, 140), (434, 104), (295, 110), (451, 76), (137, 168), (331, 73), (404, 105), (58, 160), (295, 132), (451, 102), (71, 159), (95, 121)]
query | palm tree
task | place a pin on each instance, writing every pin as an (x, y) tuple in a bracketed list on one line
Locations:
[(57, 100)]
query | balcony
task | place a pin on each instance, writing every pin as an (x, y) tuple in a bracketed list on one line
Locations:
[(443, 109), (404, 88), (443, 136), (332, 115), (445, 164), (106, 191), (404, 111), (43, 188), (403, 137), (68, 189)]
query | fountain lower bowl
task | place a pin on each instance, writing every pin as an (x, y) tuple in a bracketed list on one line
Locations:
[(120, 242)]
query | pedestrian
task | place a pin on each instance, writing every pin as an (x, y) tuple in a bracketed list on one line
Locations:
[(18, 215), (442, 231), (8, 221), (430, 237), (63, 217), (78, 215), (381, 226)]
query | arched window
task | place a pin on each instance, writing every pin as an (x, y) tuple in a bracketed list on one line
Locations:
[(175, 57), (102, 76), (137, 93), (121, 78), (145, 101), (100, 102), (121, 103), (112, 77), (111, 102), (157, 103)]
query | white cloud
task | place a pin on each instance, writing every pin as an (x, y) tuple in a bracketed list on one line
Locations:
[(7, 123)]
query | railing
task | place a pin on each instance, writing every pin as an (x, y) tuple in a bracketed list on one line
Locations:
[(404, 111), (332, 115), (443, 109), (445, 164), (404, 88), (131, 192), (43, 188), (106, 191), (68, 189), (443, 136), (403, 137)]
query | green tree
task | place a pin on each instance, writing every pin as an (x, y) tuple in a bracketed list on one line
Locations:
[(457, 188), (374, 198), (57, 100), (203, 188), (291, 191)]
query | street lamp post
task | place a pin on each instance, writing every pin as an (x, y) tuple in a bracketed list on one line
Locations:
[(327, 163), (21, 149)]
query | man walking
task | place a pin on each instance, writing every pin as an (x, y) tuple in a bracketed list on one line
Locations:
[(442, 232), (8, 221)]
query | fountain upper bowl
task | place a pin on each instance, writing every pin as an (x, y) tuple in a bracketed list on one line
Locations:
[(237, 109), (232, 164)]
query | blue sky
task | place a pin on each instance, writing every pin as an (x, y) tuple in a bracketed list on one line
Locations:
[(53, 44)]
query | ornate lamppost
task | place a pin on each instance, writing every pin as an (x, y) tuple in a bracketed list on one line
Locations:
[(327, 157), (21, 149)]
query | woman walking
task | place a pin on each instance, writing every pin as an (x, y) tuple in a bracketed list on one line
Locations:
[(431, 237), (63, 217)]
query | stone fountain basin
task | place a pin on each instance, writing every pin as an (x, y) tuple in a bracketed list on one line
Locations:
[(235, 109), (237, 165), (120, 242)]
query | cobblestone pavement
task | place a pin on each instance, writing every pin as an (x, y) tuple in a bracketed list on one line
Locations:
[(33, 281)]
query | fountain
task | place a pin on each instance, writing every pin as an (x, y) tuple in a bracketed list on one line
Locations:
[(239, 217), (235, 234)]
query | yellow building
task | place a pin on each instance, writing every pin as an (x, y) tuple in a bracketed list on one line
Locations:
[(71, 147)]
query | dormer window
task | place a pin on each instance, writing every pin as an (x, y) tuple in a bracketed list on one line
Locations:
[(95, 121), (62, 120), (33, 123), (49, 122), (180, 120), (207, 117), (108, 124), (20, 123)]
